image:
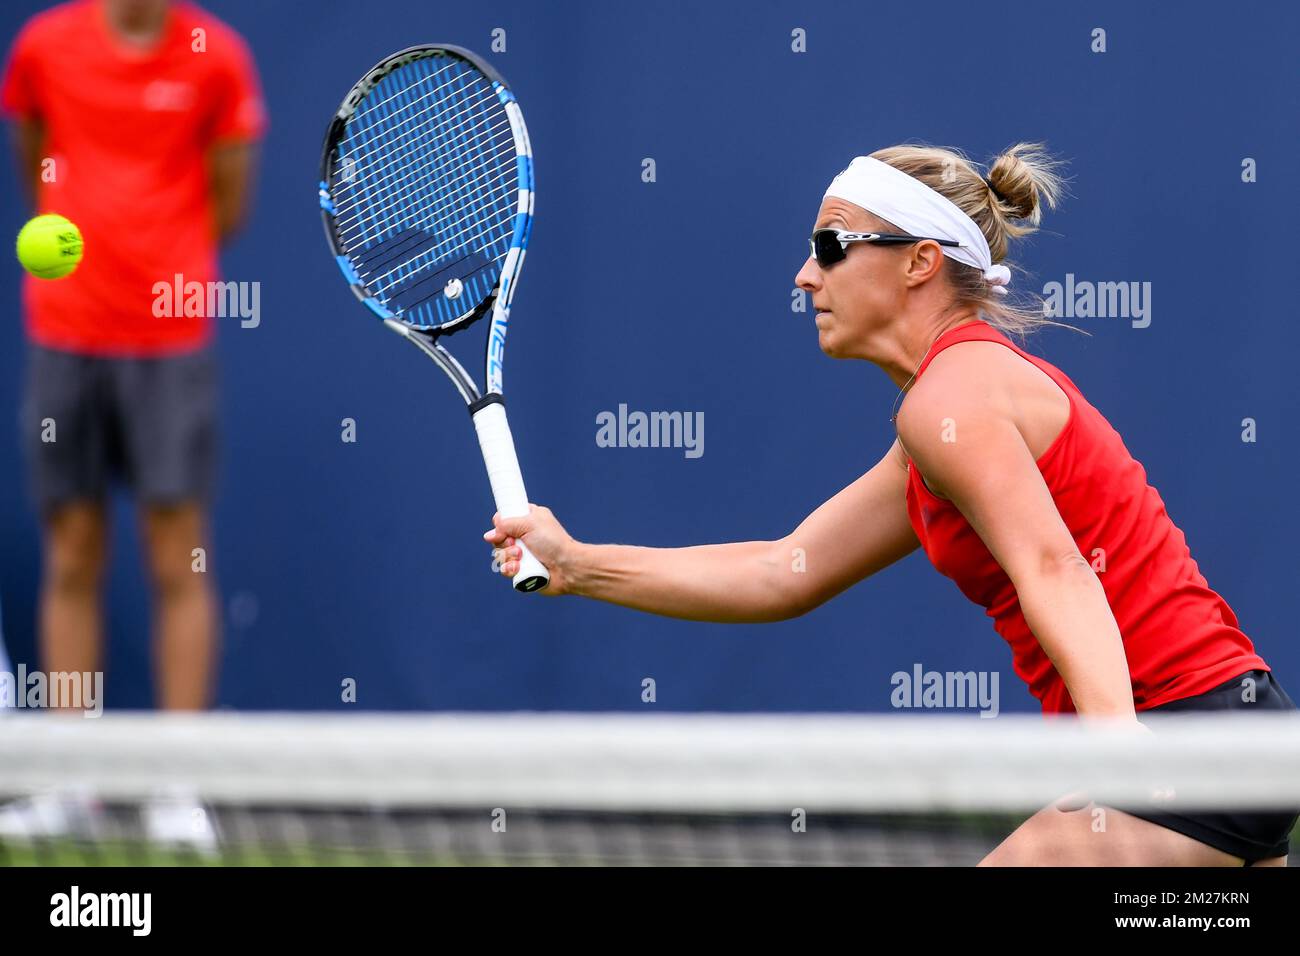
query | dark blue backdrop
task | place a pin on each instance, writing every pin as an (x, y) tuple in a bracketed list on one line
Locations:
[(365, 560)]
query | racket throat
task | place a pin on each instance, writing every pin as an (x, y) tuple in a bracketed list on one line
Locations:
[(427, 342)]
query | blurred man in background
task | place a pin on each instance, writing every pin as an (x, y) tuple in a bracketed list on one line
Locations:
[(135, 119)]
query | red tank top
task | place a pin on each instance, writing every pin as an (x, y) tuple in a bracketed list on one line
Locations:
[(1180, 637)]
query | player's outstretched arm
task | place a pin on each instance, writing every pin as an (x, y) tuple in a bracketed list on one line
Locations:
[(857, 532)]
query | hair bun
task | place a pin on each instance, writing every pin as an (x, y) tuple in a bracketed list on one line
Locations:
[(1022, 179), (994, 189)]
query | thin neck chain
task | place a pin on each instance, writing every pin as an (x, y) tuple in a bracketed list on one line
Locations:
[(893, 416), (893, 412)]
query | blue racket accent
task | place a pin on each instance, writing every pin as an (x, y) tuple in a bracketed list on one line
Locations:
[(349, 273), (521, 230), (378, 308)]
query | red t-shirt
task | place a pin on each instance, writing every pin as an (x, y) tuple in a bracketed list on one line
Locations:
[(129, 132), (1180, 637)]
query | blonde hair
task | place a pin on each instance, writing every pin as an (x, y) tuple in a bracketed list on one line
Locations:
[(1006, 205)]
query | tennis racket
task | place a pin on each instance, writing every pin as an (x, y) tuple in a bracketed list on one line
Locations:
[(426, 192)]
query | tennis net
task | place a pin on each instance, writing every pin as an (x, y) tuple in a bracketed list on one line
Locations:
[(568, 789)]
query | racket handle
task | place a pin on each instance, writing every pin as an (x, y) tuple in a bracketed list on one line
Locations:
[(508, 486)]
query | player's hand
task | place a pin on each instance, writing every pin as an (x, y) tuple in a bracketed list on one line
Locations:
[(546, 539)]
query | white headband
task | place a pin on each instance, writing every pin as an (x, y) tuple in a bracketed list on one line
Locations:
[(917, 209)]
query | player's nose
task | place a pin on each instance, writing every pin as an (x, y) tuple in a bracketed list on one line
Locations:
[(809, 277)]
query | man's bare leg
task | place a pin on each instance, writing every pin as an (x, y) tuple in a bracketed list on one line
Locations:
[(71, 607), (185, 628)]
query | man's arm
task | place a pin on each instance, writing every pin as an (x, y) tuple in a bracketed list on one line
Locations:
[(230, 175), (29, 144)]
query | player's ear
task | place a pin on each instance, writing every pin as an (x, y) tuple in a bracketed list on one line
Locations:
[(923, 262)]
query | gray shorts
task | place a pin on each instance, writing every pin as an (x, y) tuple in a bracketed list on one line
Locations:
[(150, 423)]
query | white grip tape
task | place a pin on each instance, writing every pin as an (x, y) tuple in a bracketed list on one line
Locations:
[(507, 483)]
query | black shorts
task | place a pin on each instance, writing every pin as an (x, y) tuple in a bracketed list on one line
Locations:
[(1253, 836), (148, 422)]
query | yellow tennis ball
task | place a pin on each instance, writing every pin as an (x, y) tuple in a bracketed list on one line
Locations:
[(49, 246)]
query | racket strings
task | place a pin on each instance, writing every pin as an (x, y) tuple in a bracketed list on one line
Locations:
[(426, 99), (459, 223), (449, 225), (445, 202), (435, 166), (418, 297), (418, 171), (442, 119), (396, 148), (377, 257), (469, 197), (372, 107), (357, 212), (506, 227)]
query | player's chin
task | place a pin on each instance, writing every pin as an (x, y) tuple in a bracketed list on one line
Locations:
[(826, 341)]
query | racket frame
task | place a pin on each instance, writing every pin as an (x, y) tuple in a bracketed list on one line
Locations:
[(487, 408)]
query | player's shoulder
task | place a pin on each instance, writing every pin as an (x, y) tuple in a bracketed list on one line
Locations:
[(53, 25), (964, 376), (970, 388), (972, 356), (225, 52), (220, 40)]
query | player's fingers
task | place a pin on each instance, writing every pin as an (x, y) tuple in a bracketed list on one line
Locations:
[(513, 527), (503, 554)]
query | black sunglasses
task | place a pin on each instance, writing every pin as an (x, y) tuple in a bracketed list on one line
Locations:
[(829, 246)]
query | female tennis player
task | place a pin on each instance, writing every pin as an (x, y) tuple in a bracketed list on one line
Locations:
[(1016, 487)]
